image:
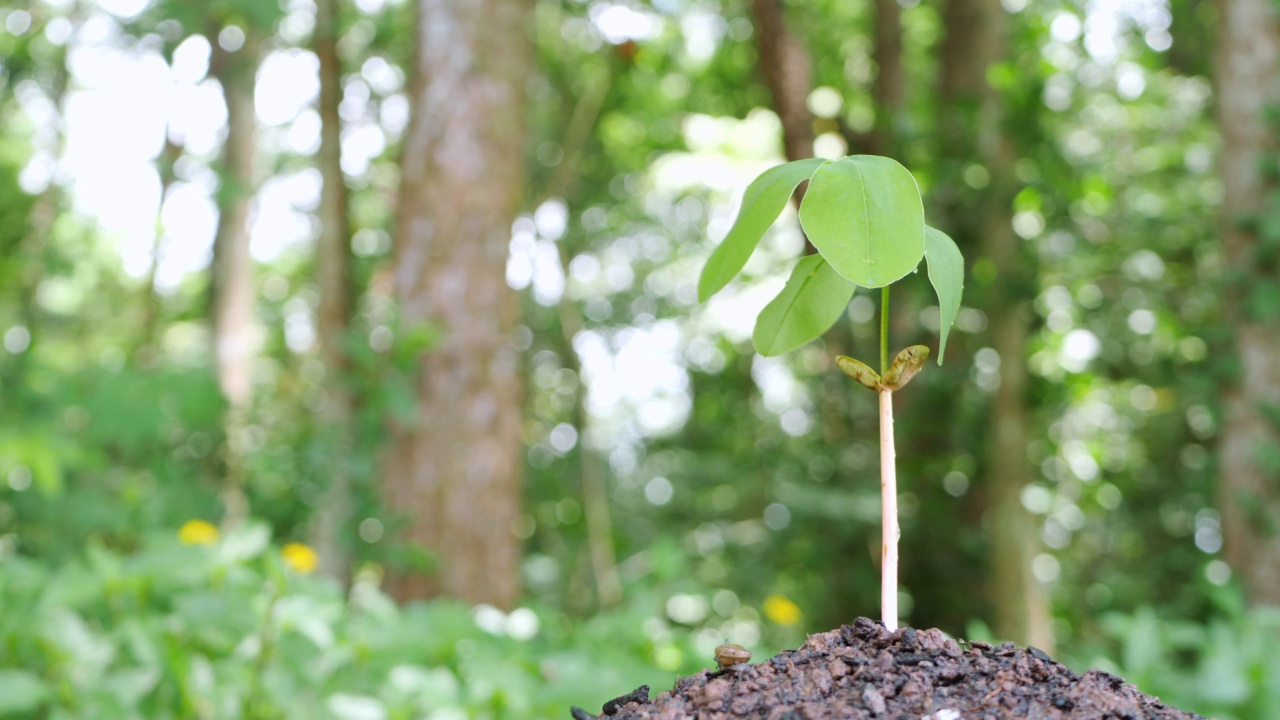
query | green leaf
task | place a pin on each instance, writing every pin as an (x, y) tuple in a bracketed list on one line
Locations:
[(761, 204), (865, 216), (21, 692), (814, 298), (946, 273)]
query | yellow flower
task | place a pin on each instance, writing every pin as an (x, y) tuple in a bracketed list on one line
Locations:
[(781, 610), (198, 532), (300, 558)]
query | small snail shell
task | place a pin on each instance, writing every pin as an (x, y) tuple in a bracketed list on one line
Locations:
[(729, 655)]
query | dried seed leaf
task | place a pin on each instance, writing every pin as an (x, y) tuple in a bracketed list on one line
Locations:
[(857, 370), (905, 366)]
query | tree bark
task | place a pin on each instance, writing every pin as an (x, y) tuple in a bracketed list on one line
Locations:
[(232, 292), (456, 473), (975, 40), (889, 88), (1248, 79), (331, 525), (787, 73)]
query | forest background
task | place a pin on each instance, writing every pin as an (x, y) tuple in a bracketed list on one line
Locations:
[(352, 365)]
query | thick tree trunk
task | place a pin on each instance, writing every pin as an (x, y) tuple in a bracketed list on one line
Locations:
[(456, 473), (784, 63), (332, 520), (975, 40), (1248, 79), (889, 88), (232, 273)]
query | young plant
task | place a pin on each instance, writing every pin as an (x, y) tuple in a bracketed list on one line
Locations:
[(864, 215)]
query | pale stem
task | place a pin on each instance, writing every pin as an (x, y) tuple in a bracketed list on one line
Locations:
[(888, 515)]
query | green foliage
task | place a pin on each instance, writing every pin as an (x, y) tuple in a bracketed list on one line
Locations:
[(946, 273), (765, 198), (231, 630), (864, 215), (1224, 668), (815, 297), (109, 429)]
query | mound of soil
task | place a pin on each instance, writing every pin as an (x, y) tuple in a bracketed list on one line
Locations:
[(863, 671)]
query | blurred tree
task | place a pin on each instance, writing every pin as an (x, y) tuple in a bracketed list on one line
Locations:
[(975, 42), (456, 472), (888, 90), (1248, 80), (236, 45), (785, 67), (590, 467), (144, 351), (330, 526)]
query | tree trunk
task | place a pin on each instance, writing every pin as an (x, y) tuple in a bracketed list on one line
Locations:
[(591, 467), (32, 242), (331, 524), (785, 66), (1248, 79), (975, 40), (889, 89), (232, 272), (456, 473), (144, 351)]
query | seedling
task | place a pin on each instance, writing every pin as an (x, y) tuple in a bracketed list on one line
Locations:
[(864, 215)]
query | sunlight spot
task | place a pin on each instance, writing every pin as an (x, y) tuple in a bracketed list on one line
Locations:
[(288, 82), (231, 38), (1065, 27), (17, 339), (658, 491), (124, 9), (825, 102), (777, 516), (1046, 568), (1217, 572), (1078, 348), (1142, 322), (191, 59), (619, 23), (1036, 499)]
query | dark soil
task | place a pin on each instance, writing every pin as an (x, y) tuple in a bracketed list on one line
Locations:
[(864, 671)]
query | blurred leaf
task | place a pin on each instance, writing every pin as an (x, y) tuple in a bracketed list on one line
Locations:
[(1264, 299), (38, 453), (356, 707), (764, 199), (813, 299), (946, 274), (865, 215), (21, 692), (244, 543), (427, 687)]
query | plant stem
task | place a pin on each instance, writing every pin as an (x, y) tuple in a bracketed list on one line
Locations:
[(888, 485), (888, 516), (254, 704), (884, 329)]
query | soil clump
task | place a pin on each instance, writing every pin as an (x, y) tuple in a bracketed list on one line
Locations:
[(864, 672)]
